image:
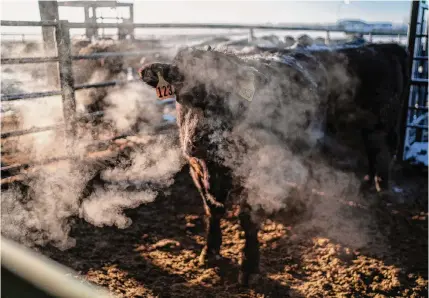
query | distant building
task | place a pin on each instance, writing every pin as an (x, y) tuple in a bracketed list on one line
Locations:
[(354, 25), (361, 26), (382, 26)]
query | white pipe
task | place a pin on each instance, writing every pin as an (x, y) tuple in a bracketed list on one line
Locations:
[(45, 273)]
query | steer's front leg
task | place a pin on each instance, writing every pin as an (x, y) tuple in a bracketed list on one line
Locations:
[(213, 183)]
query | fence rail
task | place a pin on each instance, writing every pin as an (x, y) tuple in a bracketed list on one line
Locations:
[(28, 60), (28, 23), (291, 27), (297, 27), (29, 95)]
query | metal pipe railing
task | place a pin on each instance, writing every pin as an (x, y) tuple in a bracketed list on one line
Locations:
[(417, 126), (11, 97), (102, 84), (17, 133), (21, 166), (77, 57), (291, 27), (28, 60), (26, 273), (420, 58), (28, 23), (419, 81), (113, 54)]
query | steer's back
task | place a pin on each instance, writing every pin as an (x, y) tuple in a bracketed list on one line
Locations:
[(366, 90)]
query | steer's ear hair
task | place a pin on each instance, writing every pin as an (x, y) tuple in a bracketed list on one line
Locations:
[(149, 73)]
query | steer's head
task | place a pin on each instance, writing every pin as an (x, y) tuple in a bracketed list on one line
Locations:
[(213, 89)]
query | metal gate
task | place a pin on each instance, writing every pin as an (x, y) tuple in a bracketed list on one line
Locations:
[(415, 126), (68, 87)]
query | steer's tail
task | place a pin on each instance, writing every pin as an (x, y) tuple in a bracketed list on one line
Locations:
[(403, 57)]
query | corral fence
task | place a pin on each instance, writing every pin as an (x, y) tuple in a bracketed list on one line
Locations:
[(415, 113), (65, 60)]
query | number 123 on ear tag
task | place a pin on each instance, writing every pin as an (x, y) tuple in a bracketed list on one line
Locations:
[(164, 89)]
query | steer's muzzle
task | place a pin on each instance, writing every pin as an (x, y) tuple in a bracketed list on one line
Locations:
[(149, 73)]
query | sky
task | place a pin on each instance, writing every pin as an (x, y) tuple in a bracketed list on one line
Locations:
[(236, 11), (218, 11)]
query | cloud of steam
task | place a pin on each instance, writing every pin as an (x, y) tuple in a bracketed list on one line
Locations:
[(41, 212), (42, 208), (274, 148), (105, 207), (133, 105)]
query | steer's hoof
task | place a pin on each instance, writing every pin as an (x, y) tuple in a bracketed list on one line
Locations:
[(246, 279)]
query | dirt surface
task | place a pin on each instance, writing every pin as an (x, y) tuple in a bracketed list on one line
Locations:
[(157, 255)]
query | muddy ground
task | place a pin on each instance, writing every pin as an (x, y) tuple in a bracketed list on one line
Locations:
[(157, 255)]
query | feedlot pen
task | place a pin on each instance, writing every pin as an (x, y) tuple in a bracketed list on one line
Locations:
[(157, 256)]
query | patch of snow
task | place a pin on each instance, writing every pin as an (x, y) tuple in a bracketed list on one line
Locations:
[(418, 152)]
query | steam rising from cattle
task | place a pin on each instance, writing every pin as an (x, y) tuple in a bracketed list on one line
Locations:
[(274, 144), (42, 208)]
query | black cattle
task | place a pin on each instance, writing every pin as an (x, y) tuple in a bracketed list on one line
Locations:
[(347, 96)]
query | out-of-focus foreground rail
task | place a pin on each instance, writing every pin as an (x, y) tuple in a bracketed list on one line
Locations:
[(51, 280)]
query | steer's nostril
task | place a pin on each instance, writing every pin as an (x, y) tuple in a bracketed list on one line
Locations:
[(148, 76)]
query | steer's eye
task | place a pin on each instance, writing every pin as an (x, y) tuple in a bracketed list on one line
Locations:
[(208, 113)]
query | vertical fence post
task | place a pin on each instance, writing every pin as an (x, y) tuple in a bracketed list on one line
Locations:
[(49, 12), (251, 36), (62, 33), (328, 38), (132, 29)]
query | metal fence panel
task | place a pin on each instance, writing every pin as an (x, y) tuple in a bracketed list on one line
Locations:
[(415, 114)]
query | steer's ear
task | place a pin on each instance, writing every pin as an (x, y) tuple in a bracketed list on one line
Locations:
[(250, 73), (149, 73), (252, 77)]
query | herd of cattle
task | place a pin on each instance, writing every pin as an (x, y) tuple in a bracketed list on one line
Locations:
[(347, 97), (112, 68), (351, 96)]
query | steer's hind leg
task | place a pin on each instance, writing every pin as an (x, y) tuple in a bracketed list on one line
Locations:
[(211, 251), (213, 183), (250, 253)]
